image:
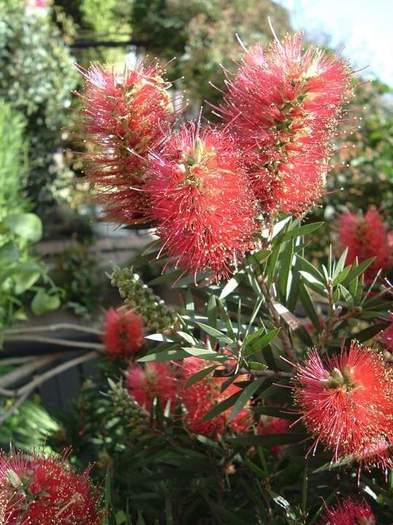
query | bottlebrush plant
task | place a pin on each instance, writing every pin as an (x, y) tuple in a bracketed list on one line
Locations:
[(264, 393)]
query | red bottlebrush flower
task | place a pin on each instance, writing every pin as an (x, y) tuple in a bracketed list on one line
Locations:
[(155, 380), (349, 512), (125, 116), (44, 491), (282, 106), (273, 425), (201, 200), (200, 397), (347, 403), (365, 237), (123, 332)]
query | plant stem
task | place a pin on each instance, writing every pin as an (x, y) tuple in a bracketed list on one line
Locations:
[(53, 328), (277, 319), (55, 341)]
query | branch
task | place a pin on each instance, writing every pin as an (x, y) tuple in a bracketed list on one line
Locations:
[(277, 319), (27, 369), (54, 341), (27, 389), (53, 328)]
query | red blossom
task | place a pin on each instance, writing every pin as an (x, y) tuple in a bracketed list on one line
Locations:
[(349, 512), (125, 115), (365, 237), (44, 491), (347, 404), (283, 106), (200, 397), (155, 380), (123, 332), (201, 200), (273, 425)]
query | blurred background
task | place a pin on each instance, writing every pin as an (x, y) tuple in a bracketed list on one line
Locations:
[(55, 247)]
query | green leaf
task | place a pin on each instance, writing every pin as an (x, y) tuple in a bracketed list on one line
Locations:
[(230, 286), (313, 283), (245, 395), (256, 365), (302, 230), (369, 332), (44, 302), (310, 268), (121, 518), (270, 440), (221, 407), (215, 333), (26, 276), (187, 337), (9, 253), (200, 375), (25, 225), (253, 343), (285, 268), (205, 353), (163, 355), (308, 306), (358, 269)]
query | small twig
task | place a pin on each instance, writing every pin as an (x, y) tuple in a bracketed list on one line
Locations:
[(283, 334), (53, 328), (42, 378), (27, 369), (52, 340), (10, 361)]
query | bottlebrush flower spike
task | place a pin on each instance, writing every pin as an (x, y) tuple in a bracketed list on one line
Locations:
[(201, 200), (44, 491), (365, 237), (200, 397), (123, 332), (282, 107), (125, 115), (346, 402), (349, 512), (155, 380)]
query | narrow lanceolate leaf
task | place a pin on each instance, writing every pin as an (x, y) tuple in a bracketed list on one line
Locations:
[(306, 229), (358, 269), (187, 337), (308, 306), (201, 375), (221, 407), (163, 355), (258, 341), (313, 283), (215, 333), (267, 441), (231, 285), (204, 353), (286, 260), (244, 397)]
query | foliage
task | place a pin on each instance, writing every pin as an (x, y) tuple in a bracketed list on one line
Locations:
[(276, 308), (29, 427), (202, 36), (77, 273), (36, 78), (19, 229), (364, 154)]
